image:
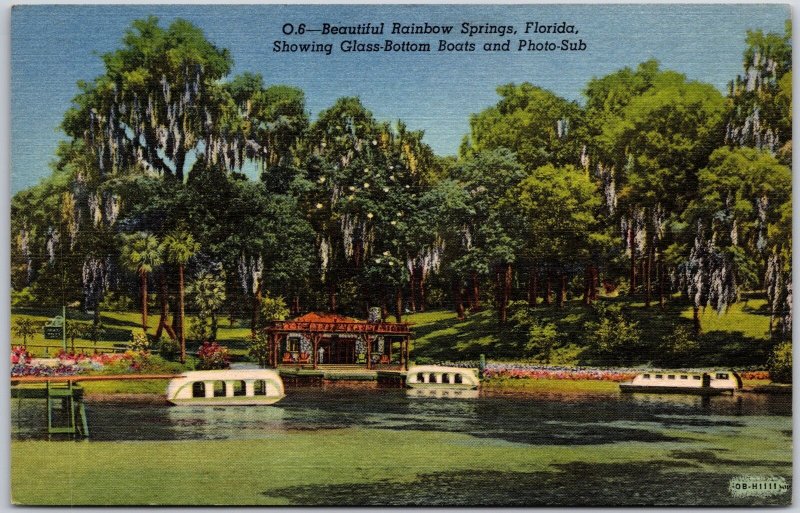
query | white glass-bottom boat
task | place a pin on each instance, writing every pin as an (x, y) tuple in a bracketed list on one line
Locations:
[(437, 376), (676, 382), (226, 387)]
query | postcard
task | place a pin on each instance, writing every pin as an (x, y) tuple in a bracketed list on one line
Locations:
[(401, 255)]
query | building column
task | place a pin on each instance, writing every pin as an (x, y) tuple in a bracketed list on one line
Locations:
[(406, 352), (368, 341), (315, 340)]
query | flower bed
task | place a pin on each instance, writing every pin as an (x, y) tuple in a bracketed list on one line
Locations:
[(24, 369), (533, 371)]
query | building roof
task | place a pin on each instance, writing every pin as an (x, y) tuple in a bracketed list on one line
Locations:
[(316, 322)]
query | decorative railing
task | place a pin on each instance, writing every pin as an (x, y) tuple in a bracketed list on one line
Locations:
[(379, 328)]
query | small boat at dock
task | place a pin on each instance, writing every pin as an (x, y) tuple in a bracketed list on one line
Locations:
[(676, 382), (440, 377), (237, 387)]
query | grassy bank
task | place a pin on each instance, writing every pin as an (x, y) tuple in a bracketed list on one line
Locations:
[(737, 338), (564, 386)]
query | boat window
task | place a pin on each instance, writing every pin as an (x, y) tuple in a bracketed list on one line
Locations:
[(671, 376), (659, 376), (420, 378), (198, 389), (684, 376), (259, 387), (696, 377), (459, 379), (239, 388), (432, 378), (445, 378), (722, 375), (645, 376), (219, 389)]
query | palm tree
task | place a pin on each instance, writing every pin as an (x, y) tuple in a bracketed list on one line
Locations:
[(141, 253), (25, 328), (178, 247)]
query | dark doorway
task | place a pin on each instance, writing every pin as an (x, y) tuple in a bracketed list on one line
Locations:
[(338, 350)]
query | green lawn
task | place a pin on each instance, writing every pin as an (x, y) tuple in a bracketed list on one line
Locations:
[(234, 337), (738, 337)]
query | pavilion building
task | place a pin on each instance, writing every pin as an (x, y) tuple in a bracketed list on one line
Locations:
[(316, 339)]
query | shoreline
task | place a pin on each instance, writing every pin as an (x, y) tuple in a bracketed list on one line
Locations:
[(152, 391)]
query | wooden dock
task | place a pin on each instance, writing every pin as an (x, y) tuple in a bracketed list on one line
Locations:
[(66, 412)]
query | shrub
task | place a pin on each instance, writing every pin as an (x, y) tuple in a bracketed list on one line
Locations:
[(212, 356), (780, 363), (540, 337), (19, 355), (273, 309), (613, 339), (199, 329), (679, 348), (168, 348), (258, 348), (140, 362), (139, 341), (115, 302), (23, 297)]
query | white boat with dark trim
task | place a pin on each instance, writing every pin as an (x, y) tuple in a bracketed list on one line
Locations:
[(677, 382), (438, 376), (226, 387)]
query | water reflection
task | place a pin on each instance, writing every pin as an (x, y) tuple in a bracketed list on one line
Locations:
[(443, 393), (572, 420)]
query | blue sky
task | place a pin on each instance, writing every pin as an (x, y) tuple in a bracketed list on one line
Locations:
[(55, 46)]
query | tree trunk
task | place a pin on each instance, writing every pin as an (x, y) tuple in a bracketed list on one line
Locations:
[(182, 312), (533, 285), (421, 294), (504, 276), (164, 299), (587, 285), (331, 295), (213, 326), (661, 277), (595, 282), (256, 307), (548, 290), (696, 319), (632, 244), (458, 304), (144, 302), (412, 297), (475, 292), (562, 290), (647, 264), (398, 304)]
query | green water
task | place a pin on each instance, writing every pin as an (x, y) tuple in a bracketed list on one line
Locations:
[(372, 447)]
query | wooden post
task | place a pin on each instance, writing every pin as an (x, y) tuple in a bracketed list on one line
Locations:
[(315, 339), (389, 341), (406, 353), (368, 341)]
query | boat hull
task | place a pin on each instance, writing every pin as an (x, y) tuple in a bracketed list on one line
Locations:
[(442, 378), (442, 386), (628, 388), (229, 387), (227, 401)]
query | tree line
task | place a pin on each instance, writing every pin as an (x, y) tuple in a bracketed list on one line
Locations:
[(178, 179)]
